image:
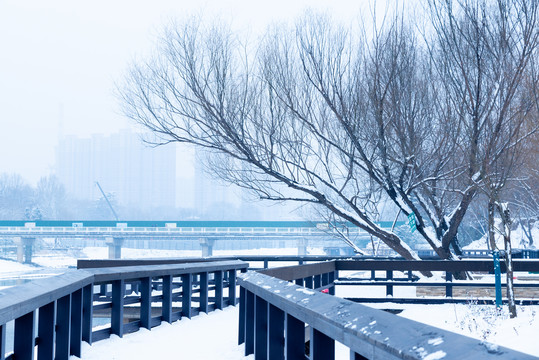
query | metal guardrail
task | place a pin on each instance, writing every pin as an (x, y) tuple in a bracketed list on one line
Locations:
[(274, 313), (65, 304)]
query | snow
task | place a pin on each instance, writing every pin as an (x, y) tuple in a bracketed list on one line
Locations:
[(518, 239), (205, 336), (435, 356), (481, 322), (8, 268), (214, 335)]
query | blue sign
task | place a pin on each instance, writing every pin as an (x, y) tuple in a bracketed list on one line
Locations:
[(412, 221)]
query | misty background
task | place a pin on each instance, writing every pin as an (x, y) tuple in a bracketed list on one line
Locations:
[(61, 128)]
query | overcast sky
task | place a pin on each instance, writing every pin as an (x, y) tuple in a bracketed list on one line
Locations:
[(59, 60)]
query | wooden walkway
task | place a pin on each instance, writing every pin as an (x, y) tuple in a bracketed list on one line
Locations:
[(211, 336)]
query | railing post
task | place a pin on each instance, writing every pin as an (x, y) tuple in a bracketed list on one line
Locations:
[(204, 292), (294, 338), (249, 323), (308, 282), (45, 331), (389, 288), (322, 346), (63, 327), (186, 295), (325, 279), (117, 313), (167, 299), (75, 347), (261, 329), (24, 341), (266, 264), (232, 287), (332, 276), (275, 333), (146, 303), (317, 281), (218, 290), (449, 285), (241, 325), (2, 342), (103, 290), (87, 312)]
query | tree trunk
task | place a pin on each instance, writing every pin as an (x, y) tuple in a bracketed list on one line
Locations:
[(491, 233), (506, 223)]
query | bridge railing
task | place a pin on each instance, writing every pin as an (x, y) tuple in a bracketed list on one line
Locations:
[(61, 309), (275, 313)]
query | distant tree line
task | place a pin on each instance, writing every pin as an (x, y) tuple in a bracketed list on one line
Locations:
[(49, 200)]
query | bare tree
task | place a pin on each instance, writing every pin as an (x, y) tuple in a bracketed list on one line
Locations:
[(50, 196), (15, 196), (321, 115)]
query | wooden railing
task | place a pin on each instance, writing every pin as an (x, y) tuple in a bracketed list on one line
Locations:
[(396, 273), (399, 273), (275, 312), (62, 308)]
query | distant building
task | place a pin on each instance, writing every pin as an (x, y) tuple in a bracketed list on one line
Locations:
[(216, 200), (212, 196), (137, 175)]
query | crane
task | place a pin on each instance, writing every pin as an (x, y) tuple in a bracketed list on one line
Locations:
[(107, 200)]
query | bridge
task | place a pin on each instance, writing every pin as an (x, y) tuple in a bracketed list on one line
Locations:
[(202, 234)]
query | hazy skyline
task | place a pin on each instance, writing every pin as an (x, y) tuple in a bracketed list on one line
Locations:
[(60, 60)]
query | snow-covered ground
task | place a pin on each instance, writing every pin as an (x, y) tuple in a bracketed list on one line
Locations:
[(481, 322), (214, 336), (211, 336), (519, 240), (8, 268)]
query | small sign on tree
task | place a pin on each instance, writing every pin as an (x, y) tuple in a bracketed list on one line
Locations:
[(412, 221)]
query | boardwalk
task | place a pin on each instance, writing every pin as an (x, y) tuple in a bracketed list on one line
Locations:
[(212, 336)]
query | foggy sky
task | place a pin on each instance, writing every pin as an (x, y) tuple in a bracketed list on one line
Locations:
[(60, 59)]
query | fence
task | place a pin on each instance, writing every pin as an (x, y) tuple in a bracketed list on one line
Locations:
[(283, 313), (396, 273), (406, 268), (62, 308), (280, 319)]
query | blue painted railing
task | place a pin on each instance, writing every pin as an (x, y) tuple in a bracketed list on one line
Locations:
[(280, 319), (61, 309)]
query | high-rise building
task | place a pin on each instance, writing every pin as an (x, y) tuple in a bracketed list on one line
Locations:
[(221, 201), (138, 175), (212, 195)]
